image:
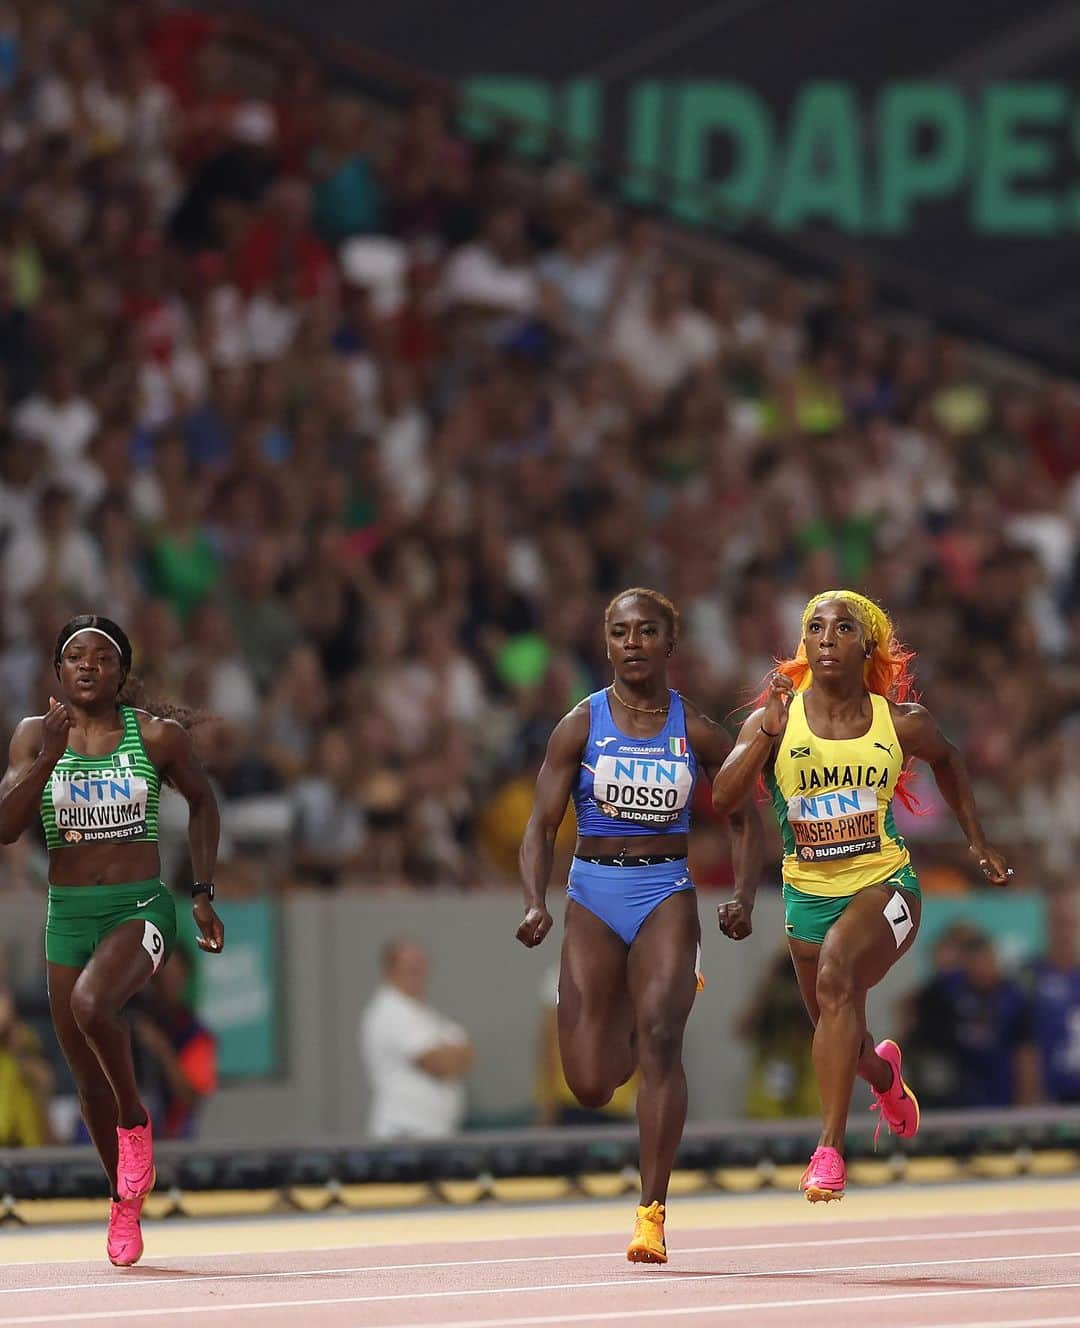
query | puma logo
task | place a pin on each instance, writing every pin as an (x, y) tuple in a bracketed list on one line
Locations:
[(603, 742), (885, 748)]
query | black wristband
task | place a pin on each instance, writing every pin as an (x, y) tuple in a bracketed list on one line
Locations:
[(203, 888), (763, 729)]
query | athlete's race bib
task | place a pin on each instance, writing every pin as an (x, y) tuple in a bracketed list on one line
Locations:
[(106, 805), (646, 790), (840, 824)]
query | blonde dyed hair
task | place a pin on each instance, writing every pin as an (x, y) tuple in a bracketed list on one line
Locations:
[(887, 671)]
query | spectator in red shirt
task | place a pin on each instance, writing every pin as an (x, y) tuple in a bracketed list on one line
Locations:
[(176, 35), (1054, 433), (299, 108), (278, 241)]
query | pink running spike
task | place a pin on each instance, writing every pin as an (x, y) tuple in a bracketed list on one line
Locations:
[(826, 1176), (135, 1173), (898, 1105), (124, 1243)]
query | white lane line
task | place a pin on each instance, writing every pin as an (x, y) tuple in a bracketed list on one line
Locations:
[(537, 1321), (650, 1280), (1005, 1323), (194, 1278), (216, 1228)]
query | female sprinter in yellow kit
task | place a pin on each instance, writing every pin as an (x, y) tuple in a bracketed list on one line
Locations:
[(831, 740)]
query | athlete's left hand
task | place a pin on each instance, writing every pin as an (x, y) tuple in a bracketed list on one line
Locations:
[(734, 919), (992, 865), (212, 929), (534, 926)]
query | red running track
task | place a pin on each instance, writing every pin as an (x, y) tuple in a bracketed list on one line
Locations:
[(1000, 1270)]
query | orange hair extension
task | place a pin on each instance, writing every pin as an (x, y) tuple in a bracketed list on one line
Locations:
[(887, 672)]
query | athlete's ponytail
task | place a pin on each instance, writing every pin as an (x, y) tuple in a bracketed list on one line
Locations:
[(133, 693)]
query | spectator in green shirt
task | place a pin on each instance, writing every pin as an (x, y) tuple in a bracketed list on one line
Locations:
[(184, 566)]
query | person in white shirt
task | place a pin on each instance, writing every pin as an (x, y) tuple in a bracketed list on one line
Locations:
[(494, 275), (416, 1059), (59, 415), (660, 338), (55, 555)]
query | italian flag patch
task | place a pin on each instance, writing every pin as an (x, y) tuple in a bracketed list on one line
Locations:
[(677, 746)]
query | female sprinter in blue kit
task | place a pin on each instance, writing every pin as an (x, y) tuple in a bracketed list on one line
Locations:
[(629, 755)]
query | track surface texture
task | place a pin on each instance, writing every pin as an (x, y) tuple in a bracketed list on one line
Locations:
[(966, 1256)]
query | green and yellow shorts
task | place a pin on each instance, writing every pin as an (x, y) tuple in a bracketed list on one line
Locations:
[(809, 917), (81, 916)]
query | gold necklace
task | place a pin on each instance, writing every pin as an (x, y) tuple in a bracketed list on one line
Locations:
[(641, 710)]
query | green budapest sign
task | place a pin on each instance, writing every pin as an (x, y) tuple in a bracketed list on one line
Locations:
[(715, 151)]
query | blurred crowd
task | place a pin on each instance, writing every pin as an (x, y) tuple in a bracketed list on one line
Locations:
[(356, 427)]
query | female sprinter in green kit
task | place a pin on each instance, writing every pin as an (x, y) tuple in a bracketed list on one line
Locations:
[(92, 768), (831, 736)]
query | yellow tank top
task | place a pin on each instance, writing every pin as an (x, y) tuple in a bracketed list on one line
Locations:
[(833, 799)]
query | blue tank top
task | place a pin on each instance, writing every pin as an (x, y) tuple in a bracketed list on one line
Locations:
[(634, 786)]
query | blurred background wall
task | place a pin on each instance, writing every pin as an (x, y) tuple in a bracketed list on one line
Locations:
[(311, 1083)]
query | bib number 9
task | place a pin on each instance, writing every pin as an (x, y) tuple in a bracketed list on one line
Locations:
[(154, 944)]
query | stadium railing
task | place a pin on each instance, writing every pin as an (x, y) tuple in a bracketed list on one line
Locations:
[(58, 1184)]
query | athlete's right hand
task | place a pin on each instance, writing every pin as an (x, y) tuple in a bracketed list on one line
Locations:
[(534, 927), (54, 730), (777, 700), (734, 919)]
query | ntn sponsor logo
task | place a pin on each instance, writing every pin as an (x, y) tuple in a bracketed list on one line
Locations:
[(839, 802), (635, 770), (102, 788)]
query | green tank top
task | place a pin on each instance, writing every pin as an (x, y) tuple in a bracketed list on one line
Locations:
[(111, 798)]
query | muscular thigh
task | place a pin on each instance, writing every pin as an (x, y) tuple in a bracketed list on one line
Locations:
[(123, 962), (662, 968), (594, 1012), (865, 939)]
